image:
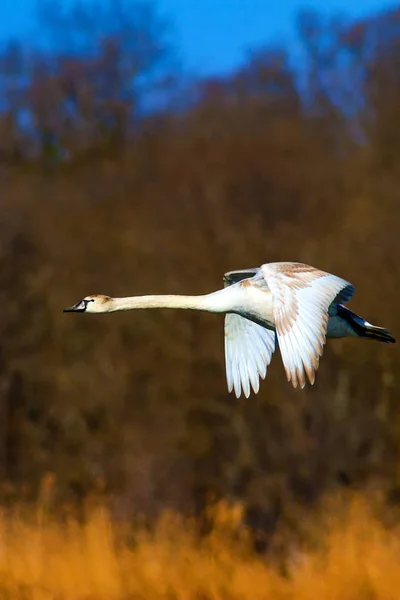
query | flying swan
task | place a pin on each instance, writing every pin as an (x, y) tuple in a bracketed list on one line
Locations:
[(296, 304)]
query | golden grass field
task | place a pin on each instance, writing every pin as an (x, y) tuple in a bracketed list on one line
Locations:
[(356, 558)]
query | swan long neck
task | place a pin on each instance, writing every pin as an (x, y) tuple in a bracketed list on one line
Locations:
[(215, 302)]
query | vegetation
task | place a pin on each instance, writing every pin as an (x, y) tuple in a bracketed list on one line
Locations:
[(120, 175), (356, 557)]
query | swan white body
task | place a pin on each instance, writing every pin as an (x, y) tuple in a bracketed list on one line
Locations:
[(292, 303)]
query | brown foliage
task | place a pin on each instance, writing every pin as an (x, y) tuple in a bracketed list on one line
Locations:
[(354, 556)]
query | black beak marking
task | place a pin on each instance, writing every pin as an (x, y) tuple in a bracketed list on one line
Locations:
[(80, 306)]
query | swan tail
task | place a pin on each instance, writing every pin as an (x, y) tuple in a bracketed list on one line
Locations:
[(363, 328)]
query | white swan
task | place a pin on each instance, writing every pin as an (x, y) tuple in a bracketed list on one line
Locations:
[(296, 304)]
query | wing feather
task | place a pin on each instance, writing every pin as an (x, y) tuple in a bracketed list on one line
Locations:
[(235, 276), (302, 296), (248, 352)]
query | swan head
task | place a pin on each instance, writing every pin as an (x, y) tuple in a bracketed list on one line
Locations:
[(97, 303)]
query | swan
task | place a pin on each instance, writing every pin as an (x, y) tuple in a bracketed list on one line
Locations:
[(295, 304)]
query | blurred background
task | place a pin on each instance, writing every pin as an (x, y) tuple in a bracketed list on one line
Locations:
[(148, 148)]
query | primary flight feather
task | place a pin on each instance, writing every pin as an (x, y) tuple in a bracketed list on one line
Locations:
[(291, 303)]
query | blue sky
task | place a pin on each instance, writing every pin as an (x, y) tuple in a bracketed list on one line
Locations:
[(213, 35)]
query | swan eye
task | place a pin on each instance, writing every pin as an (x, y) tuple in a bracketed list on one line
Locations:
[(86, 302)]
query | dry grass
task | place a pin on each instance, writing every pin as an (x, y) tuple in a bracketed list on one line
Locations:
[(42, 558)]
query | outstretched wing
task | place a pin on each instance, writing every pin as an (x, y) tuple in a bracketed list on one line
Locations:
[(248, 352), (302, 296), (248, 346)]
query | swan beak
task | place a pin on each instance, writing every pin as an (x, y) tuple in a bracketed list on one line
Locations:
[(78, 307)]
